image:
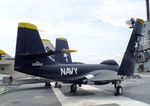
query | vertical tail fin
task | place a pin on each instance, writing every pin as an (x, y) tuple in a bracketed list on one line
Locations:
[(28, 42), (65, 58), (128, 62), (48, 47), (28, 39)]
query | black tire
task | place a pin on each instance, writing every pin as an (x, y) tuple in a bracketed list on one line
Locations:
[(59, 85), (47, 84), (73, 88), (119, 90), (56, 84)]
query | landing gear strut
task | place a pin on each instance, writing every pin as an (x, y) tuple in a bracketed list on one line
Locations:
[(57, 85), (73, 88), (48, 84)]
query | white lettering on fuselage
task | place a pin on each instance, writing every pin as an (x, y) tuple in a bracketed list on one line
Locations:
[(68, 71)]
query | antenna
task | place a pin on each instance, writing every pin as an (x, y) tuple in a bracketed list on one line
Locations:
[(147, 9)]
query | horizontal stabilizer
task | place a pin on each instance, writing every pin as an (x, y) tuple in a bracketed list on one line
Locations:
[(69, 50), (44, 54)]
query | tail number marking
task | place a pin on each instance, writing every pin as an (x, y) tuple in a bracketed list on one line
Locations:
[(68, 71)]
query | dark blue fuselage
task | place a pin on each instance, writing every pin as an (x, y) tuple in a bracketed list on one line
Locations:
[(66, 72)]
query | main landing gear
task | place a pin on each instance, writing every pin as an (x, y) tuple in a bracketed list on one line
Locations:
[(118, 87), (57, 85), (48, 84), (73, 88)]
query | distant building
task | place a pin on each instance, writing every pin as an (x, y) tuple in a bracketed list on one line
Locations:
[(7, 66)]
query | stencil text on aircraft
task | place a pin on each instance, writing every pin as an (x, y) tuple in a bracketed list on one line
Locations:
[(69, 71)]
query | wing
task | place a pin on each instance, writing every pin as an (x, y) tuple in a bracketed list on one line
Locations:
[(103, 75), (97, 76)]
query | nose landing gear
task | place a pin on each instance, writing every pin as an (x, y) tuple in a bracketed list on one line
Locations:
[(119, 90), (118, 87)]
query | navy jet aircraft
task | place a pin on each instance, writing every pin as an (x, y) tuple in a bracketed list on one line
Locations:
[(31, 58)]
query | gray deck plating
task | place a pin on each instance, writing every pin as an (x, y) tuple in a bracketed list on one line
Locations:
[(30, 95), (37, 94)]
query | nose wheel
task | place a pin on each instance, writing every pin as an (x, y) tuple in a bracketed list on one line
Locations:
[(119, 90), (73, 88)]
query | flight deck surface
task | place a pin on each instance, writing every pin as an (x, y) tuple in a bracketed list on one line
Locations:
[(136, 92)]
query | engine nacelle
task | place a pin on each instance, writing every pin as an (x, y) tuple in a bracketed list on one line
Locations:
[(84, 80)]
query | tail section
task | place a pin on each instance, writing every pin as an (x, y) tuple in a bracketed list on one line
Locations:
[(65, 58), (128, 62), (49, 47), (29, 43)]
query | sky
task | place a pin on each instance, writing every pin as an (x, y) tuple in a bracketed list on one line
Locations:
[(95, 28)]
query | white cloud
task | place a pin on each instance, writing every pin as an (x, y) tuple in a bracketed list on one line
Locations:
[(91, 26), (116, 12)]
